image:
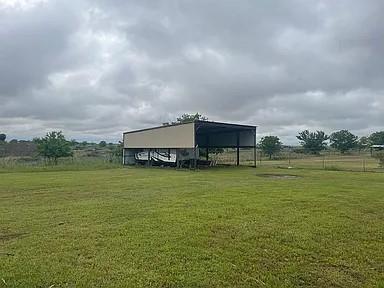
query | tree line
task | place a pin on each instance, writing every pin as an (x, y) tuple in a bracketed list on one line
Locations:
[(54, 145), (314, 142)]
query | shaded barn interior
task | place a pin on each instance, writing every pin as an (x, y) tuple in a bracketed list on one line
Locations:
[(180, 144)]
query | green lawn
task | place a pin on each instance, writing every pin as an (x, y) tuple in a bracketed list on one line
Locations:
[(220, 227)]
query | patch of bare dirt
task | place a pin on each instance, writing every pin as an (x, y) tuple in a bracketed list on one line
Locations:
[(278, 176), (10, 236)]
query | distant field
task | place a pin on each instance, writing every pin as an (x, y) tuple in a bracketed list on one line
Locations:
[(219, 227), (328, 161)]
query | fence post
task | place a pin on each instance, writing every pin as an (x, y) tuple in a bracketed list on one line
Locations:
[(324, 162), (289, 158), (363, 164)]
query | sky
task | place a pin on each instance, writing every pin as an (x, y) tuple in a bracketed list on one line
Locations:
[(94, 69)]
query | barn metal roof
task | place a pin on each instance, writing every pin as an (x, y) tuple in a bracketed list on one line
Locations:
[(209, 127), (203, 127)]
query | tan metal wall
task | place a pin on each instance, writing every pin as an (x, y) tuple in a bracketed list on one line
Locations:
[(179, 136)]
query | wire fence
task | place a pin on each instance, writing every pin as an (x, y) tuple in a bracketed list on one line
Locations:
[(330, 160)]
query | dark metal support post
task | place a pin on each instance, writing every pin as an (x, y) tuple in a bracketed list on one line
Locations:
[(254, 149), (207, 149), (237, 149), (177, 159)]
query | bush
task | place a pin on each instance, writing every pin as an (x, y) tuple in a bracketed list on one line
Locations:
[(54, 146)]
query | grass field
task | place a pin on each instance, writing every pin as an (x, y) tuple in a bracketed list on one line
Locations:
[(220, 227)]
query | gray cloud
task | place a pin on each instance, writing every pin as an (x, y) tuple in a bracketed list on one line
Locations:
[(97, 68)]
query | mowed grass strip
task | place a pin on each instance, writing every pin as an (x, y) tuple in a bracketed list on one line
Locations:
[(220, 227)]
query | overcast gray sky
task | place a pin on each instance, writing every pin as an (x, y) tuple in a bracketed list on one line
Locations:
[(97, 68)]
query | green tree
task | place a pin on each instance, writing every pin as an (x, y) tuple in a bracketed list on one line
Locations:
[(3, 137), (54, 146), (343, 140), (102, 144), (313, 142), (186, 118), (270, 145), (363, 143), (377, 138)]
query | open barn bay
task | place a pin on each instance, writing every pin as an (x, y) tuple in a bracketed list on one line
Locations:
[(220, 227)]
